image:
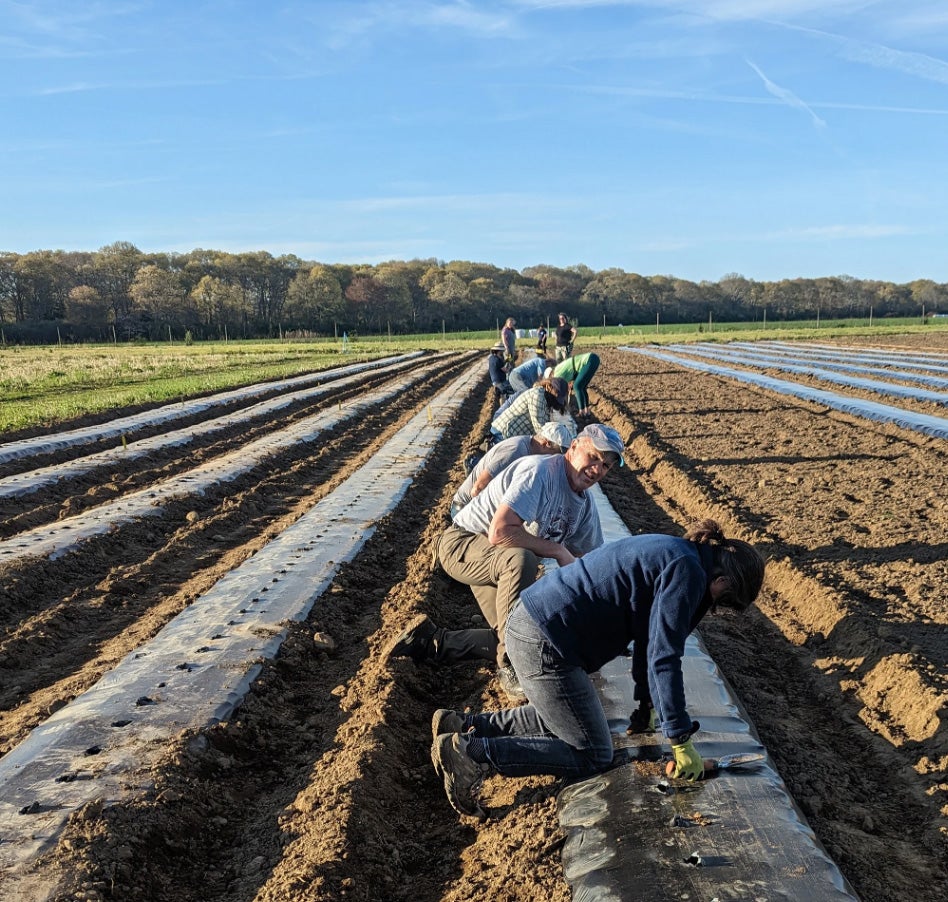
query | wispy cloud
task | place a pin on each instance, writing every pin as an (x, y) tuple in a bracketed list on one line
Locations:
[(920, 21), (72, 144), (62, 18), (60, 30), (440, 202), (666, 246), (108, 184), (393, 16), (881, 57), (376, 250), (714, 9), (840, 232), (708, 97), (574, 4), (463, 16), (786, 96), (79, 87), (808, 234)]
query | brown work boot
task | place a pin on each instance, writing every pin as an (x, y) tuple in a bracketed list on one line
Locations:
[(444, 720), (510, 683), (462, 774)]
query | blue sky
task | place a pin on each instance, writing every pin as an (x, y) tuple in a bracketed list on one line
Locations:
[(772, 138)]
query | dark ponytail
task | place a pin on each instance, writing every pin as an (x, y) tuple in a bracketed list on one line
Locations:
[(738, 562)]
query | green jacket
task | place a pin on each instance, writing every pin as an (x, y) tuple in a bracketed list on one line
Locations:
[(569, 368)]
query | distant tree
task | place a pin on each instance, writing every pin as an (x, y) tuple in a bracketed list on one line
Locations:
[(406, 278), (397, 302), (487, 303), (886, 299), (740, 295), (161, 298), (449, 297), (557, 289), (11, 297), (219, 305), (523, 303), (314, 300), (365, 298), (44, 280), (618, 296), (211, 289), (927, 295), (264, 280), (832, 297), (85, 306), (113, 269)]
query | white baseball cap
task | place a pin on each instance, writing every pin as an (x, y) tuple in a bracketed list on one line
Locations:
[(558, 433)]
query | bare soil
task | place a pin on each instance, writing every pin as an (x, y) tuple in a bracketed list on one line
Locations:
[(321, 787)]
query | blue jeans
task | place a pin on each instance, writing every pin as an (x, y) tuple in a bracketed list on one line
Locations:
[(562, 730)]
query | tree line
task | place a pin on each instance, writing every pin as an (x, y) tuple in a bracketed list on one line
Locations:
[(121, 293)]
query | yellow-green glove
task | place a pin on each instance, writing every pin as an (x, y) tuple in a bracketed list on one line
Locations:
[(688, 763)]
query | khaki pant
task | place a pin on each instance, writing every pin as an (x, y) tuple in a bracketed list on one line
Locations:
[(496, 574)]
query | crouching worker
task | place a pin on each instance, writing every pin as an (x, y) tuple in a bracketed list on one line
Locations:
[(526, 412), (553, 438), (649, 589), (498, 374), (538, 507)]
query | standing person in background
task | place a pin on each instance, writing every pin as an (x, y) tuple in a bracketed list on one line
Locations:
[(647, 590), (528, 374), (508, 338), (578, 371), (541, 340), (529, 410), (565, 334), (498, 375)]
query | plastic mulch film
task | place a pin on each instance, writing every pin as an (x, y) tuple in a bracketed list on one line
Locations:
[(827, 372), (870, 410)]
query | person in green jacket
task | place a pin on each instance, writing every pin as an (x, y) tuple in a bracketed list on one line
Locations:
[(578, 371)]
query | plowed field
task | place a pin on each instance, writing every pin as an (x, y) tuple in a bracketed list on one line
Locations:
[(321, 787)]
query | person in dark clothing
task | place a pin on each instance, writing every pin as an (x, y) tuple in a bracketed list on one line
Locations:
[(541, 340), (565, 334), (649, 591), (498, 373)]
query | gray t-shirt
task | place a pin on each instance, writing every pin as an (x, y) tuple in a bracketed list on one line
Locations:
[(537, 490), (495, 460)]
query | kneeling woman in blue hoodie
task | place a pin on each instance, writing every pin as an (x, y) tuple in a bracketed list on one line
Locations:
[(650, 590)]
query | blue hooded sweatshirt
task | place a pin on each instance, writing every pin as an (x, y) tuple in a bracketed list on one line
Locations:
[(649, 591)]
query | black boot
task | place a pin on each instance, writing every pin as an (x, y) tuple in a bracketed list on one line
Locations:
[(415, 642)]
